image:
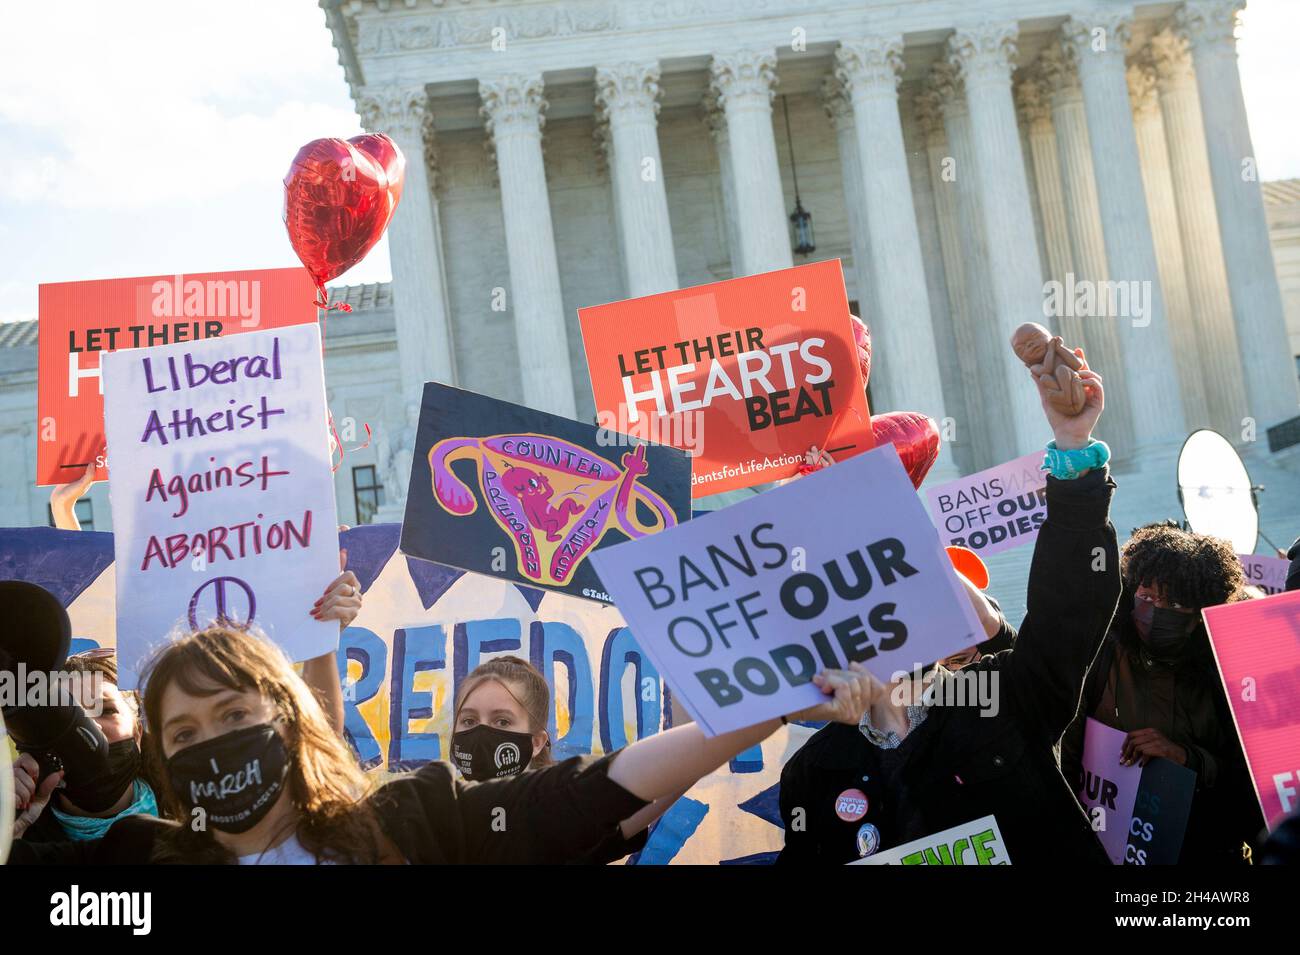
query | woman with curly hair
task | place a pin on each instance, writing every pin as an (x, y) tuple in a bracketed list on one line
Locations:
[(1155, 678)]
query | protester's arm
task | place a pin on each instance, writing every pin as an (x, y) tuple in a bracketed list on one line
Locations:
[(989, 616), (674, 760), (341, 601), (565, 812), (1074, 585), (1072, 750), (64, 498), (646, 817)]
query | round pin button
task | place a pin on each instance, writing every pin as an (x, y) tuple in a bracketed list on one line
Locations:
[(868, 840), (851, 805)]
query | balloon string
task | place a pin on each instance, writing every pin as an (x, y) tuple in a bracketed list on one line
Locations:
[(338, 444), (323, 303)]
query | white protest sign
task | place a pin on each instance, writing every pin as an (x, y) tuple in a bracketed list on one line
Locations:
[(222, 494), (740, 608), (992, 510), (1266, 573), (973, 843)]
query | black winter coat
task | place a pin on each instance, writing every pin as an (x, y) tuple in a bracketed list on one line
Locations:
[(1184, 699)]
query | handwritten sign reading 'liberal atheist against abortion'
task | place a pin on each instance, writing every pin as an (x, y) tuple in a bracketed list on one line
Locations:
[(222, 495), (747, 374), (739, 608)]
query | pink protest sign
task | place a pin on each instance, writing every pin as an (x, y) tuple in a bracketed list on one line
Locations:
[(992, 510), (1108, 790), (1257, 644)]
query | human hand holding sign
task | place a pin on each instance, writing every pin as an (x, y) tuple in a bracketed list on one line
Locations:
[(341, 600), (851, 693), (31, 793), (64, 498), (1143, 745)]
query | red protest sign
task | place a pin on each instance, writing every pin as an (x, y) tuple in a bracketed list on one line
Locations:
[(1257, 644), (746, 374), (81, 320)]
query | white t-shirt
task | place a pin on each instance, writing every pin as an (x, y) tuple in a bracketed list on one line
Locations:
[(289, 852)]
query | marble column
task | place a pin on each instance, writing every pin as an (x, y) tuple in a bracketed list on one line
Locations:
[(906, 376), (627, 98), (1033, 99), (958, 269), (1198, 223), (1100, 339), (1159, 188), (513, 107), (716, 121), (1266, 357), (420, 308), (840, 111), (983, 57), (1096, 43), (981, 336), (743, 82), (951, 358)]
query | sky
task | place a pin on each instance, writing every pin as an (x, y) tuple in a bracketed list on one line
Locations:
[(151, 137)]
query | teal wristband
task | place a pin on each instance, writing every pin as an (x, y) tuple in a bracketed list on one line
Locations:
[(1068, 465)]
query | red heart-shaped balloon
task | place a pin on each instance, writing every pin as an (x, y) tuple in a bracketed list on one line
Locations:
[(915, 436), (862, 337), (339, 196)]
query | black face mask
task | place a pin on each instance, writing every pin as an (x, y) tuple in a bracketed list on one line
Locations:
[(235, 778), (101, 792), (485, 752), (1163, 631)]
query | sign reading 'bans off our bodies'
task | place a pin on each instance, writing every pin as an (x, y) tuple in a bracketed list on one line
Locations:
[(747, 374), (740, 608), (992, 510), (222, 495), (81, 321)]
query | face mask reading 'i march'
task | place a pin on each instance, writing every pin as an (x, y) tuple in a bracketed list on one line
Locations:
[(235, 778)]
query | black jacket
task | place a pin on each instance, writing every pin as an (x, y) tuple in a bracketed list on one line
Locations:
[(1184, 699), (957, 765), (564, 813)]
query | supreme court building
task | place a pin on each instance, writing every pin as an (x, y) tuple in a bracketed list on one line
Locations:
[(967, 161)]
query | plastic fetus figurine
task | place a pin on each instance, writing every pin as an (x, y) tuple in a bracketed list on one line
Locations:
[(1045, 354)]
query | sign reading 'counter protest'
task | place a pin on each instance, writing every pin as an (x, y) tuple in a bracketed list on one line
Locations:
[(222, 494)]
